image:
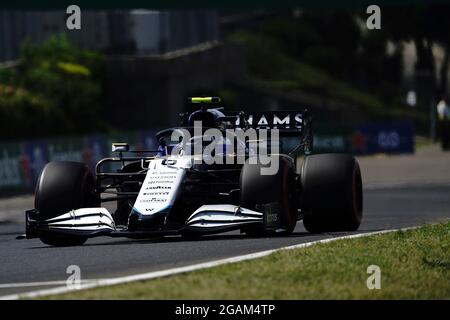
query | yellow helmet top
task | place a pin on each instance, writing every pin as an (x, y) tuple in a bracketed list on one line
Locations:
[(204, 100)]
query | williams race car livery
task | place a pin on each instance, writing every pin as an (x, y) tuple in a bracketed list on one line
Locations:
[(209, 175)]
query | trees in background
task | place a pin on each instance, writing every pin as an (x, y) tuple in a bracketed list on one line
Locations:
[(336, 42), (426, 26), (325, 53), (56, 88)]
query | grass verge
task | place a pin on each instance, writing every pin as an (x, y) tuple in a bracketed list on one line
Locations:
[(415, 264)]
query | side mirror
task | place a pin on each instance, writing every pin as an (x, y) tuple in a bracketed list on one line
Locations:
[(120, 147)]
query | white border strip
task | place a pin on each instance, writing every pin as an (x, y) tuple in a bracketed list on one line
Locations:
[(36, 284), (94, 283)]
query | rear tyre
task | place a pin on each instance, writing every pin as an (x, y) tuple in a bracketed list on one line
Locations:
[(64, 186), (257, 189), (332, 197)]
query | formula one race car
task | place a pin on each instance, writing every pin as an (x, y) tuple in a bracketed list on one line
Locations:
[(213, 173)]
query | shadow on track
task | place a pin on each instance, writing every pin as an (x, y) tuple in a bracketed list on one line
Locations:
[(217, 237)]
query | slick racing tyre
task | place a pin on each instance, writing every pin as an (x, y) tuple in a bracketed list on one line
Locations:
[(61, 187), (332, 197), (258, 189)]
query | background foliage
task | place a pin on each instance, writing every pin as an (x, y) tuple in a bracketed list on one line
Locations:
[(56, 88)]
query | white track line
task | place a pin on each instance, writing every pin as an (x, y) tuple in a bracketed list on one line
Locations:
[(36, 284), (94, 283)]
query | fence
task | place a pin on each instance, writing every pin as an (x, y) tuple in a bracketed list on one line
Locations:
[(22, 162)]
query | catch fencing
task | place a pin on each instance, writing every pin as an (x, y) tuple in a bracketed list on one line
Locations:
[(22, 161)]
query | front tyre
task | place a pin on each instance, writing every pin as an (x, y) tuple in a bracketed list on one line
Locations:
[(332, 196), (61, 240), (257, 189), (63, 186)]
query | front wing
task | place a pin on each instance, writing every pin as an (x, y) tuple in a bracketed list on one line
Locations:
[(93, 222)]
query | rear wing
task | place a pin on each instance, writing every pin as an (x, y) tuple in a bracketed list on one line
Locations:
[(282, 120), (289, 124)]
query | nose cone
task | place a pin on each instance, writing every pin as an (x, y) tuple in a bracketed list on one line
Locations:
[(147, 222)]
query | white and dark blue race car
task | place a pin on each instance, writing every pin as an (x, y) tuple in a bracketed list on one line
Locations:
[(214, 173)]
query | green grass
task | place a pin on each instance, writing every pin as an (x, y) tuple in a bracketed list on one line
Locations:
[(415, 264)]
